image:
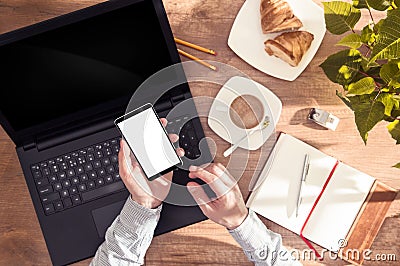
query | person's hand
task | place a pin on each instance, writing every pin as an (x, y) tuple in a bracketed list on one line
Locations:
[(149, 194), (228, 209)]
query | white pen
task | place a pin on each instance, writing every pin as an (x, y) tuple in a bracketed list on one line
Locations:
[(304, 174)]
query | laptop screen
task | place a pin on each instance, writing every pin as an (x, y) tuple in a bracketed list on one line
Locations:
[(88, 63)]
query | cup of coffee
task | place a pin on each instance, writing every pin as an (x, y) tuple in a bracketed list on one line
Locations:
[(246, 111)]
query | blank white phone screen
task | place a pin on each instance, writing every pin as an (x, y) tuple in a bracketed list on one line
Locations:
[(149, 143)]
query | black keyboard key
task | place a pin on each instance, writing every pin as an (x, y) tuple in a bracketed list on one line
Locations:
[(90, 150), (99, 182), (67, 157), (110, 169), (75, 180), (73, 190), (116, 148), (62, 175), (53, 178), (101, 191), (82, 152), (75, 154), (46, 171), (108, 151), (42, 182), (67, 202), (72, 163), (98, 147), (82, 187), (58, 205), (114, 159), (70, 172), (37, 174), (114, 141), (49, 208), (91, 185), (43, 164), (57, 186), (64, 193), (117, 176), (34, 167), (63, 166), (98, 154), (51, 162), (66, 183), (97, 164), (79, 170), (84, 178), (76, 199), (81, 160), (45, 190), (106, 161), (50, 197), (88, 167), (101, 172), (109, 179), (92, 175), (59, 160), (54, 169)]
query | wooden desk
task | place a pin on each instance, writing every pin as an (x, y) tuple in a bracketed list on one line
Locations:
[(207, 23)]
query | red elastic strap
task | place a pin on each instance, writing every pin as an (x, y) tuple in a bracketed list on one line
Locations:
[(312, 209)]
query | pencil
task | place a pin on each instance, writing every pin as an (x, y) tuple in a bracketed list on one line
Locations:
[(194, 46), (198, 60)]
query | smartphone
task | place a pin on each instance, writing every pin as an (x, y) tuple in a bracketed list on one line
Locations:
[(148, 141)]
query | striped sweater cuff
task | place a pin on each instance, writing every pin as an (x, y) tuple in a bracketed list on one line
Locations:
[(252, 233), (133, 214)]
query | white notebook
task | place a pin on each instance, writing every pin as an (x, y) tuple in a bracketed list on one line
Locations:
[(275, 197)]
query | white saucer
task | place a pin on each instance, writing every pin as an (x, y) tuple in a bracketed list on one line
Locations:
[(221, 123)]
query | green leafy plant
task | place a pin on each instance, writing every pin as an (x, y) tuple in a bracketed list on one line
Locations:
[(369, 69)]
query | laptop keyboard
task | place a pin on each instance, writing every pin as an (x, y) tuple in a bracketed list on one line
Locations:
[(78, 177), (188, 139), (86, 174)]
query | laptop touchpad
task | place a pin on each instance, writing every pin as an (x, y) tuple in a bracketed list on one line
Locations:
[(104, 216)]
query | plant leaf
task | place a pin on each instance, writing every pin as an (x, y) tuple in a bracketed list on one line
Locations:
[(396, 113), (388, 71), (360, 4), (343, 66), (397, 165), (366, 34), (363, 86), (388, 101), (377, 26), (367, 113), (352, 41), (380, 5), (388, 41), (340, 16), (344, 99), (394, 130)]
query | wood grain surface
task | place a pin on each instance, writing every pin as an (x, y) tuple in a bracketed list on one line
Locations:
[(207, 23)]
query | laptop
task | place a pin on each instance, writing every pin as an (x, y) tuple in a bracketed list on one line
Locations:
[(64, 81)]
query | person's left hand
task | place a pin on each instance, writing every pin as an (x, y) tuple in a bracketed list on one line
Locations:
[(149, 194)]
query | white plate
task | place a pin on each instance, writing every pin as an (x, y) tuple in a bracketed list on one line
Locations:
[(247, 40), (219, 119)]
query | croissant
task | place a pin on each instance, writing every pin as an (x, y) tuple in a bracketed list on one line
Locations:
[(290, 46), (276, 16)]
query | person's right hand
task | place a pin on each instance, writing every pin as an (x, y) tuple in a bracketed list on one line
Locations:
[(228, 209)]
